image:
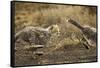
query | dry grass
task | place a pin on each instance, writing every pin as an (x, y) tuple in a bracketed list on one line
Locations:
[(44, 15)]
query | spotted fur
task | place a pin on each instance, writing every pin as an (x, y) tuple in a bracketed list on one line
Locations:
[(37, 35)]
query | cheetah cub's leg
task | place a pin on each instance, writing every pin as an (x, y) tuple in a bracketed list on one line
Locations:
[(86, 42)]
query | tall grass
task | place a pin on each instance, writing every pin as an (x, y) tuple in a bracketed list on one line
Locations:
[(44, 15)]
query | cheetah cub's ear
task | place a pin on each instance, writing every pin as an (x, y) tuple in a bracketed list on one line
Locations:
[(50, 28)]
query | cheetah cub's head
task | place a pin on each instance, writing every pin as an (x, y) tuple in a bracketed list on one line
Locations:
[(54, 30)]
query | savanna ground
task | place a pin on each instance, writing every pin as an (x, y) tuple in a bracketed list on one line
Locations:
[(63, 49)]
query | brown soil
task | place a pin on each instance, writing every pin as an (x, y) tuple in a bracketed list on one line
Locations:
[(63, 55)]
